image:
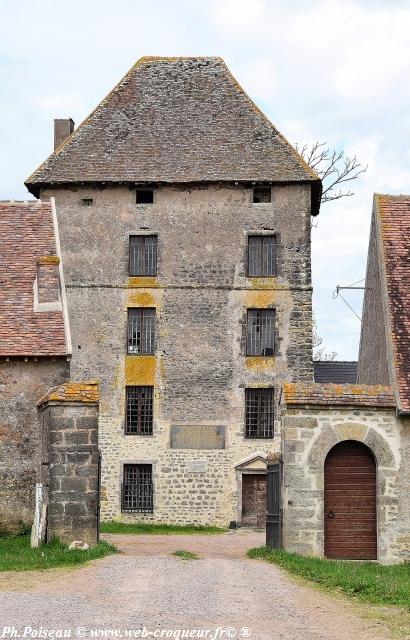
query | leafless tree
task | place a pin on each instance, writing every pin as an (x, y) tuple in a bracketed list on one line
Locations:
[(319, 351), (333, 167)]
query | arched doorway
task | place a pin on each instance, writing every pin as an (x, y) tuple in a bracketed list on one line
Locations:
[(350, 502)]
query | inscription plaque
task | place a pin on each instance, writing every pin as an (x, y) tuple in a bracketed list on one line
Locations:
[(197, 466), (197, 436)]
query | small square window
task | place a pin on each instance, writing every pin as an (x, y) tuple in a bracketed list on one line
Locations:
[(145, 196), (262, 195), (87, 202)]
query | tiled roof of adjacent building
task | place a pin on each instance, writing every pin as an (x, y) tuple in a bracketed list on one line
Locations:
[(176, 120), (393, 220), (26, 234), (338, 394), (338, 371)]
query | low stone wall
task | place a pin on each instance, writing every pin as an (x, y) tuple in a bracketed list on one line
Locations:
[(309, 432), (70, 461)]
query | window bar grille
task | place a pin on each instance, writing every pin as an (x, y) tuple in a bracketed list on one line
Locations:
[(261, 256), (137, 494), (141, 331), (143, 256), (259, 413), (260, 340), (139, 411)]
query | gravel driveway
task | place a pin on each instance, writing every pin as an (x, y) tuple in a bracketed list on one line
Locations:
[(145, 586)]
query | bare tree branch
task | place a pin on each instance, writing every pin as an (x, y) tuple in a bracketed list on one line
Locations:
[(333, 168)]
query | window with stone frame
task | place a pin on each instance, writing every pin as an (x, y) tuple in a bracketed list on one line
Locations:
[(261, 256), (260, 332), (137, 494), (141, 330), (138, 410), (143, 255), (259, 413)]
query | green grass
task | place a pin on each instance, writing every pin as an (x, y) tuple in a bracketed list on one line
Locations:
[(139, 528), (368, 581), (185, 555), (17, 555)]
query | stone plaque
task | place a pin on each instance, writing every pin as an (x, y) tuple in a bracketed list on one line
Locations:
[(197, 466), (197, 436)]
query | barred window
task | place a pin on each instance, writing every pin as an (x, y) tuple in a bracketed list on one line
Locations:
[(137, 489), (141, 330), (259, 413), (260, 332), (261, 256), (143, 256), (261, 194), (138, 418)]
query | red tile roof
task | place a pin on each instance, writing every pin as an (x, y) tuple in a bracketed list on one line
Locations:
[(393, 221), (360, 395), (26, 234)]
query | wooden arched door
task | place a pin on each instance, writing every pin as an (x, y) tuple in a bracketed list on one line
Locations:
[(350, 502)]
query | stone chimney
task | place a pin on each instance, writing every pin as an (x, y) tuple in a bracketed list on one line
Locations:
[(62, 129), (48, 279)]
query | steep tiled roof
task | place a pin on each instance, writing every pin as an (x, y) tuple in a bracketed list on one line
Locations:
[(338, 371), (86, 392), (393, 223), (338, 394), (26, 234), (177, 120)]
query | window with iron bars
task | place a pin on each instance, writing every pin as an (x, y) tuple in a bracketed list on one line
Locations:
[(138, 413), (137, 494), (261, 256), (260, 332), (143, 256), (259, 413), (141, 330)]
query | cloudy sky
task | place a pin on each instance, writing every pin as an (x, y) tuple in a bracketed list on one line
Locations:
[(329, 70)]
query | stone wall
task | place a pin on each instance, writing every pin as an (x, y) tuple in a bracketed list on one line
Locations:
[(308, 435), (373, 359), (201, 295), (70, 462), (22, 382)]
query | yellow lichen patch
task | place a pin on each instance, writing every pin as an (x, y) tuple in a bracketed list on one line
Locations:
[(260, 299), (48, 260), (259, 363), (140, 370), (72, 392), (141, 299), (264, 283), (142, 282)]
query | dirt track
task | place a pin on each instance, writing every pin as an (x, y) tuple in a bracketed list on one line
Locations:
[(145, 586)]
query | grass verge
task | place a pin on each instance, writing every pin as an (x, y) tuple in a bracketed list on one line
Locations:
[(17, 555), (368, 581), (185, 555), (139, 528)]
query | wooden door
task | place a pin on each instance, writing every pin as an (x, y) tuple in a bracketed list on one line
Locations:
[(253, 500), (350, 502)]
